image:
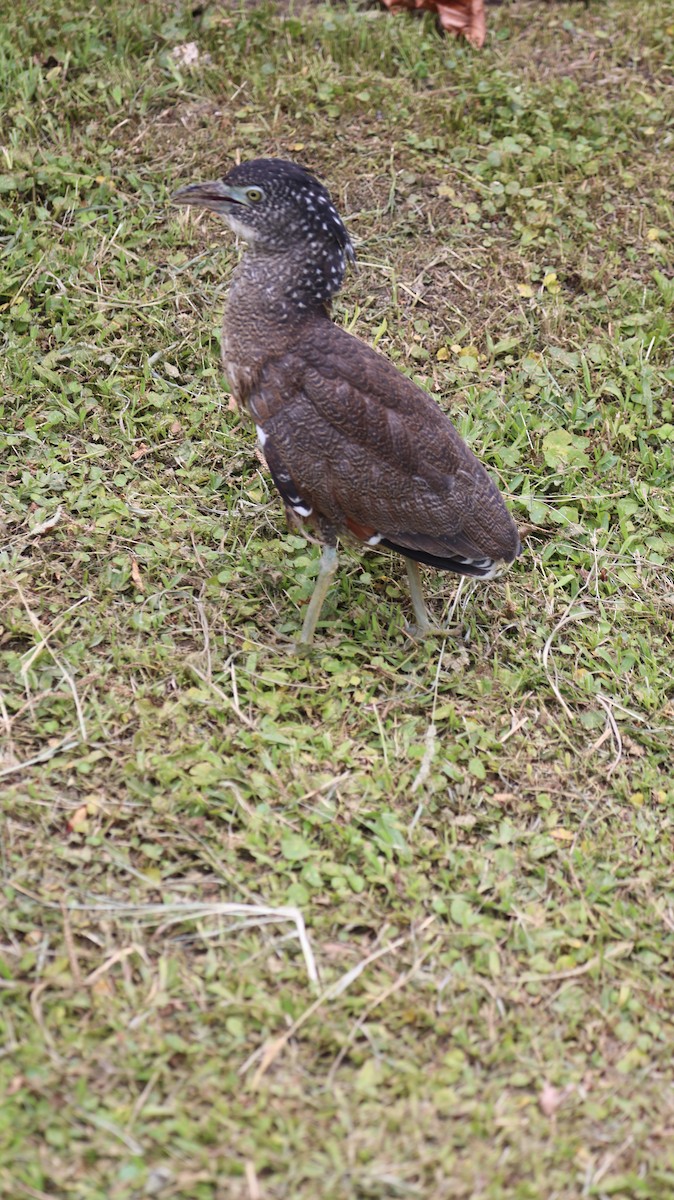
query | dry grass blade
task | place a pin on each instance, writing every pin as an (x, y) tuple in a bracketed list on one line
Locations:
[(569, 615), (174, 914), (43, 644)]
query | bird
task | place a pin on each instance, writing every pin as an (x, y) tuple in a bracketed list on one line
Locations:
[(357, 450)]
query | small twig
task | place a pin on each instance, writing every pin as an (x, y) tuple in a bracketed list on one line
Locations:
[(45, 644), (100, 1122), (621, 950), (455, 601), (36, 1009), (70, 947), (382, 736), (67, 744), (34, 1193), (232, 701), (613, 725), (374, 1003), (600, 740), (207, 639), (517, 723), (610, 1159), (31, 655), (566, 617), (142, 1099), (254, 1192), (431, 735), (235, 691), (436, 681), (466, 286), (7, 724), (118, 956), (614, 704), (425, 765), (667, 918)]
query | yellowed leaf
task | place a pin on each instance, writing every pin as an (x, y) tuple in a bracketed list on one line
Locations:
[(525, 290), (102, 986), (442, 354), (77, 821), (136, 575)]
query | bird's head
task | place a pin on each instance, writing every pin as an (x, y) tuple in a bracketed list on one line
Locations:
[(273, 204)]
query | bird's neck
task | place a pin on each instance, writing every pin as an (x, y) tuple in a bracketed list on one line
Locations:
[(272, 299), (292, 285)]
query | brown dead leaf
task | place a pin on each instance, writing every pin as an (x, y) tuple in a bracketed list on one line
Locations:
[(103, 986), (633, 748), (140, 451), (136, 575), (464, 18), (77, 821)]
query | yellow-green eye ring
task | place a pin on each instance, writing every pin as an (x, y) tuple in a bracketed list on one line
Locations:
[(254, 194)]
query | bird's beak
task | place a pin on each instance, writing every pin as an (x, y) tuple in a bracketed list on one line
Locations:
[(216, 196)]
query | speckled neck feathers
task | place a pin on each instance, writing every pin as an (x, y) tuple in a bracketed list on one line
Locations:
[(294, 263), (287, 286), (297, 243)]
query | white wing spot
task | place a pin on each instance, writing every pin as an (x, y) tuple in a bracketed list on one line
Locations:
[(261, 435)]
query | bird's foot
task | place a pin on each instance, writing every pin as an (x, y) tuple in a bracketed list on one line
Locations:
[(418, 630)]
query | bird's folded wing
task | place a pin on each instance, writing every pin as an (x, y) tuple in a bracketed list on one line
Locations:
[(370, 450)]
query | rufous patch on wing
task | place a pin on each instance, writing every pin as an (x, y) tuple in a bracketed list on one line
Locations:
[(364, 532)]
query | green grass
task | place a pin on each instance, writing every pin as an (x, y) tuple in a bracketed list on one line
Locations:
[(483, 825)]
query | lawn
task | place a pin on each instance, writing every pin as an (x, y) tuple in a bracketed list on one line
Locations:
[(396, 918)]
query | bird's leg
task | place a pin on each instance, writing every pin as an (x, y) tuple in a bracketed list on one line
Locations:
[(417, 595), (321, 589)]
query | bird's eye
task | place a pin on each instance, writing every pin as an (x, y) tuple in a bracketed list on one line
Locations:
[(254, 194)]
